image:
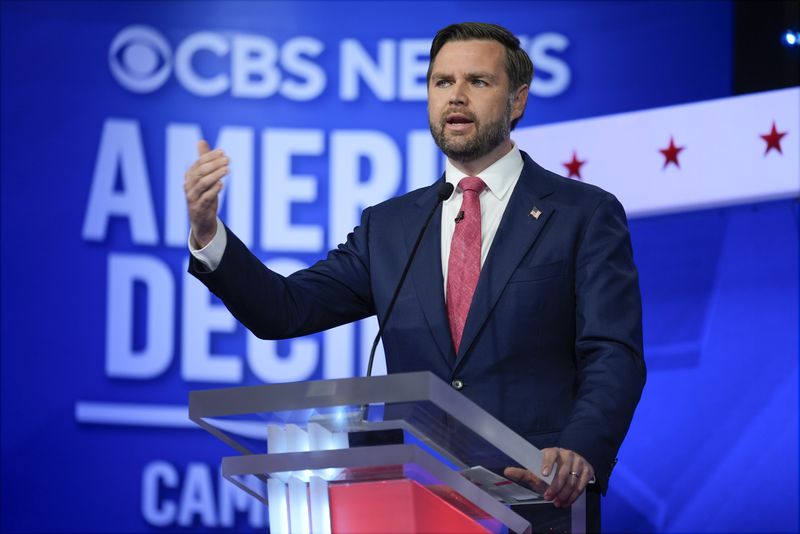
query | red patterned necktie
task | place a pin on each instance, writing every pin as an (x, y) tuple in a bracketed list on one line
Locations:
[(464, 264)]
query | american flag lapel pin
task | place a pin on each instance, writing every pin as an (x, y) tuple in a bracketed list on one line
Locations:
[(535, 213)]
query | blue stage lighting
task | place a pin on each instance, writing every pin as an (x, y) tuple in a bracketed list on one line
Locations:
[(792, 38)]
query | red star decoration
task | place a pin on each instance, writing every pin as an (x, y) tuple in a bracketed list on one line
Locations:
[(773, 139), (574, 166), (671, 153)]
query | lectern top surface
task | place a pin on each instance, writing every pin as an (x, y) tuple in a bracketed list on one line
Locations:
[(398, 408)]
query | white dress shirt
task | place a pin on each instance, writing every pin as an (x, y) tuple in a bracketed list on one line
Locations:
[(500, 179)]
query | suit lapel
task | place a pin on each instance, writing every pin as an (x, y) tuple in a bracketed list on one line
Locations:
[(426, 271), (516, 234)]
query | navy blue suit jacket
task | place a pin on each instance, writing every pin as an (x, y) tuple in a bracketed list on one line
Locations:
[(552, 344)]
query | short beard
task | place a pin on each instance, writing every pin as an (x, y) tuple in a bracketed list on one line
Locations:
[(486, 138)]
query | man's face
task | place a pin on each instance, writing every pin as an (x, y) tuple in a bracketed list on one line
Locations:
[(470, 106)]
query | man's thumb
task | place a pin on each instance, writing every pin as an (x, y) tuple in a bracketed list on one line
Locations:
[(549, 456), (202, 147)]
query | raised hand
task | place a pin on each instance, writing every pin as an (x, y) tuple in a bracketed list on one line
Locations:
[(202, 184)]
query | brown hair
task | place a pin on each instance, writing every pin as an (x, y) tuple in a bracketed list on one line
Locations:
[(518, 65)]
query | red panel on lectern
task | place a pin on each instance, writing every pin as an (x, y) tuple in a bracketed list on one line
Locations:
[(394, 507)]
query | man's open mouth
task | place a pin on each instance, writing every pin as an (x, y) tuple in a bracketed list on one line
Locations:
[(457, 118)]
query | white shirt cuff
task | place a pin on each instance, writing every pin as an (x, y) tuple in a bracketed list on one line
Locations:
[(211, 254)]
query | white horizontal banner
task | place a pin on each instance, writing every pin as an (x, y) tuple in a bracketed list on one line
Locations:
[(719, 152)]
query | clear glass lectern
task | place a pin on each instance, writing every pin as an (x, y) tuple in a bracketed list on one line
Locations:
[(397, 453)]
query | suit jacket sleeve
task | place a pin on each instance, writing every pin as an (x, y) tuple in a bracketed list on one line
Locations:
[(608, 341), (332, 292)]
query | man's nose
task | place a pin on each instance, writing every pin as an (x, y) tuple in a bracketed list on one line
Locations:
[(458, 95)]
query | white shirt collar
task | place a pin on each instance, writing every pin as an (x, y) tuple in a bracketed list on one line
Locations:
[(498, 177)]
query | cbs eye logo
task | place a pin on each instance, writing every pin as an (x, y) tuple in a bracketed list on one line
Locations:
[(140, 59)]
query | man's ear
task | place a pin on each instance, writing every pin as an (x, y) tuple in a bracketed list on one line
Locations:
[(520, 101)]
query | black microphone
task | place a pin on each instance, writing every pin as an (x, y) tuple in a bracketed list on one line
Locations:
[(444, 191)]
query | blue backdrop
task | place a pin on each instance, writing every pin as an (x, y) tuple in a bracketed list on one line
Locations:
[(322, 107)]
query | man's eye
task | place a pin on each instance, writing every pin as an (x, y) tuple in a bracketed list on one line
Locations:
[(479, 83), (442, 83)]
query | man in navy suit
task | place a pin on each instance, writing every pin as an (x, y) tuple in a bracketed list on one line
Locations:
[(523, 295)]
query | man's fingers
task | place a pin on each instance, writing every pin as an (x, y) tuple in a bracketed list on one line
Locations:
[(205, 164), (579, 473), (202, 147), (579, 486), (205, 172), (209, 156), (572, 475), (575, 485), (570, 482), (549, 457), (208, 198), (557, 485), (560, 485), (204, 184), (210, 166), (517, 474), (523, 476)]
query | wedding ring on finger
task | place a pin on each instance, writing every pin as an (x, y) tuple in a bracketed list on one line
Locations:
[(574, 474)]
